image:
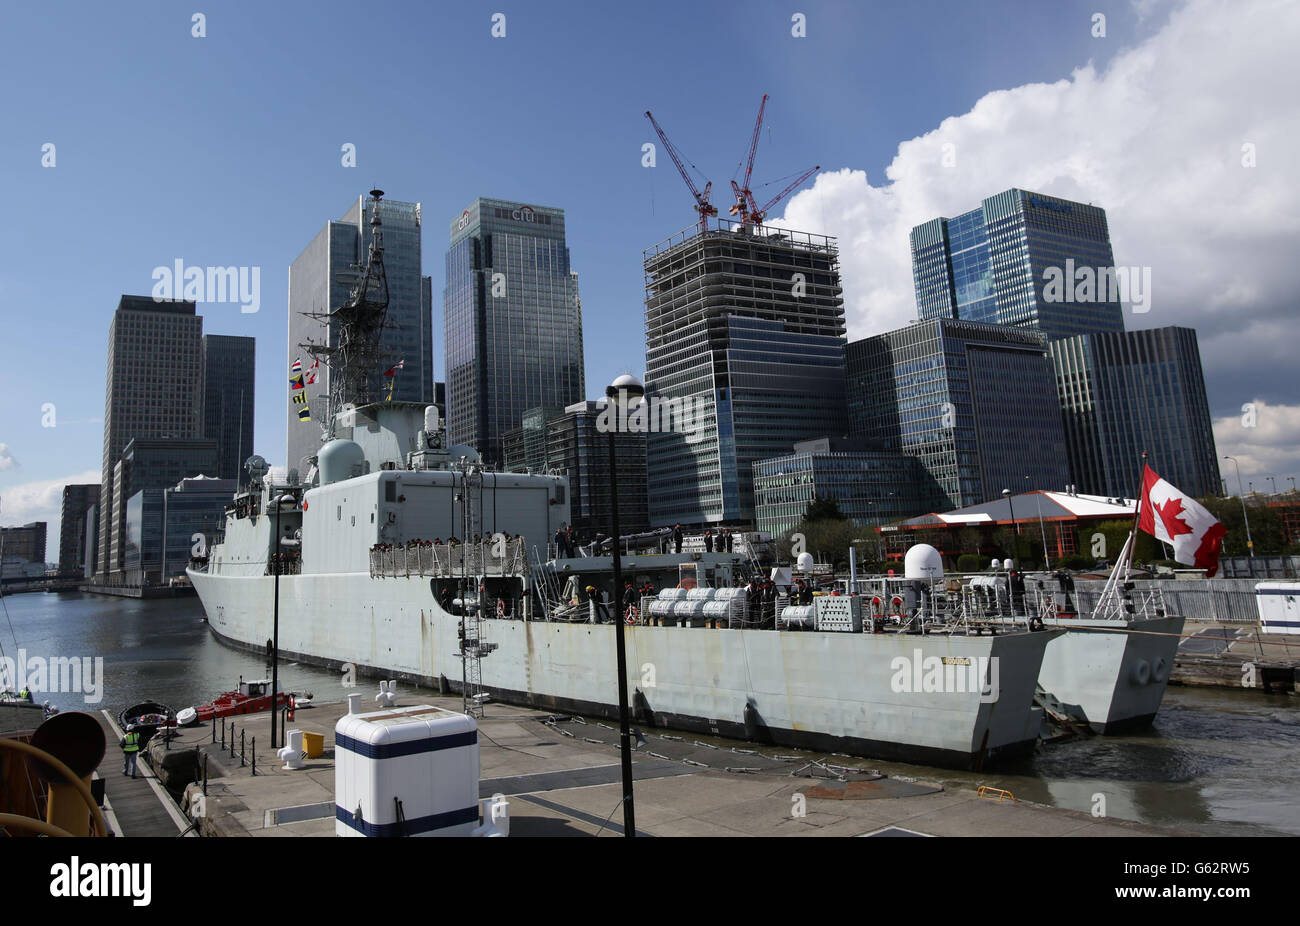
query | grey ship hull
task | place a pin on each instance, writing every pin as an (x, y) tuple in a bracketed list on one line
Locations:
[(838, 692)]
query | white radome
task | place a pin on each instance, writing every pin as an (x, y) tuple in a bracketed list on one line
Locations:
[(922, 562)]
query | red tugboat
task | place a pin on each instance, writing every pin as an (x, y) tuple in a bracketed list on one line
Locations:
[(250, 697)]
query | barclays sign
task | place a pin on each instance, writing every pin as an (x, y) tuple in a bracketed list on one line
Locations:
[(1049, 204)]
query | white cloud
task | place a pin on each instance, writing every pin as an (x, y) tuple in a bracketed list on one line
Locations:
[(1264, 438), (1156, 139), (42, 501), (7, 460)]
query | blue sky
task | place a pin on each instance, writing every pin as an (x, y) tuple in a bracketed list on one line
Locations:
[(225, 150)]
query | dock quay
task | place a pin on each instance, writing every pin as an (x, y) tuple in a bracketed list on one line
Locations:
[(1237, 655), (561, 775), (139, 806)]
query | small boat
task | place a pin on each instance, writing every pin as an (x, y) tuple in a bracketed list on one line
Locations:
[(147, 717), (250, 697)]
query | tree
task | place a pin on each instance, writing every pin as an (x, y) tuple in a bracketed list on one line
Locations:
[(821, 509)]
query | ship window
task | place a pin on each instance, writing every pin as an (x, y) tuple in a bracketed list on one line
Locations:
[(354, 521), (338, 515), (390, 491)]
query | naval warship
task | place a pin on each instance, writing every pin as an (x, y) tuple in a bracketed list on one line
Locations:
[(348, 563)]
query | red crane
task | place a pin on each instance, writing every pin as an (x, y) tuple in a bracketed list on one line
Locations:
[(702, 204), (758, 215), (744, 197), (745, 206)]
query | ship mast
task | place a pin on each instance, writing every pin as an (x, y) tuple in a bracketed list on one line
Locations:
[(354, 328)]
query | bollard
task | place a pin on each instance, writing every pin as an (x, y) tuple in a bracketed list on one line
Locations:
[(254, 755), (214, 729), (241, 748), (232, 739), (223, 733), (205, 774)]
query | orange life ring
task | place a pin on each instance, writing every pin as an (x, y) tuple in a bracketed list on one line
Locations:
[(632, 615)]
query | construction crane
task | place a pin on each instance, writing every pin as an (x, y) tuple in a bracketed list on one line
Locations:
[(702, 204), (746, 207), (744, 197), (759, 214)]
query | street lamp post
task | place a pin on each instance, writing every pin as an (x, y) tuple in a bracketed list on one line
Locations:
[(1015, 543), (625, 393), (278, 501), (1250, 544)]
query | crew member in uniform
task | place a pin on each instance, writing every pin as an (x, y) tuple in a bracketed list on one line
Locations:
[(677, 538)]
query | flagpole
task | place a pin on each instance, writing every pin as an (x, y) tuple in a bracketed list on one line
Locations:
[(1137, 515)]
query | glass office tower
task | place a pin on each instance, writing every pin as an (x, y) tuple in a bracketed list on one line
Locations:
[(993, 264), (155, 367), (229, 368), (974, 402), (513, 321), (1123, 393), (747, 327), (320, 280)]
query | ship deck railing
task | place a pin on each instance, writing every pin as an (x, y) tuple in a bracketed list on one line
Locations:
[(488, 558)]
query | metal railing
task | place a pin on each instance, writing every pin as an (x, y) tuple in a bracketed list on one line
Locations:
[(449, 560)]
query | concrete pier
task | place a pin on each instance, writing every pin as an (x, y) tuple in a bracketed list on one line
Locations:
[(1224, 655), (562, 777)]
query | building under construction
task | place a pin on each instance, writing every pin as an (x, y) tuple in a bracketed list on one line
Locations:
[(744, 325)]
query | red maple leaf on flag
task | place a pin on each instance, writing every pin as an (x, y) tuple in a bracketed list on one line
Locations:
[(1169, 513)]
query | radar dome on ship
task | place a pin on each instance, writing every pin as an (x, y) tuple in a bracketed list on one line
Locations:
[(922, 561), (431, 417), (339, 460), (804, 563)]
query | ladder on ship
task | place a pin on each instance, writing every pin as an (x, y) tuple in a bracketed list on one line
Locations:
[(472, 645), (541, 581)]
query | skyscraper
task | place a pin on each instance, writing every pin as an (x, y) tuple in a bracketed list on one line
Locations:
[(975, 402), (320, 280), (228, 376), (747, 328), (152, 391), (996, 264), (513, 321), (1126, 392), (77, 500)]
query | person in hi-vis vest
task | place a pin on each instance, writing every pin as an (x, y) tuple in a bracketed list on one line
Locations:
[(130, 750)]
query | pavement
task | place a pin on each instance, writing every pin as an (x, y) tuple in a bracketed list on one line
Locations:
[(562, 777)]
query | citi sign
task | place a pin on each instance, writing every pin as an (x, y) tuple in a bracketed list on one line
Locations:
[(524, 214), (464, 220)]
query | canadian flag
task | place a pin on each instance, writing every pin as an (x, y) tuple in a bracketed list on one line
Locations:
[(1180, 521)]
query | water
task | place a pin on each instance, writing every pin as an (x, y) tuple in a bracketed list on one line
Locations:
[(1215, 762), (152, 650)]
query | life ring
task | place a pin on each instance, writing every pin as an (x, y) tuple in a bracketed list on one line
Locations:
[(501, 607), (631, 616)]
